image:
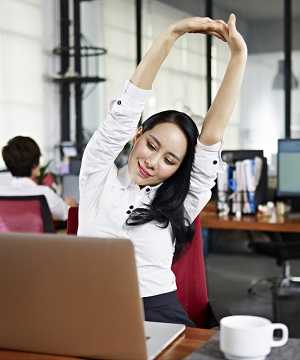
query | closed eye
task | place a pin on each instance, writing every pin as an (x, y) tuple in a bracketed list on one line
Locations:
[(151, 146), (169, 162)]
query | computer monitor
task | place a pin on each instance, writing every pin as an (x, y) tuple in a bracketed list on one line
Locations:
[(288, 168)]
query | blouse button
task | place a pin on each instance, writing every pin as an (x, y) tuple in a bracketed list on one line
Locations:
[(147, 189), (215, 162), (131, 207), (119, 102), (128, 212)]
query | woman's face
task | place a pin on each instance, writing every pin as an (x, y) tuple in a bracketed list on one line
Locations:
[(156, 154)]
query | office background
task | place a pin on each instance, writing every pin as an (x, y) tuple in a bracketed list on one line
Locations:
[(29, 98)]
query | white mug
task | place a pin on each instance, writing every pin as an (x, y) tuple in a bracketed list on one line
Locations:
[(244, 337)]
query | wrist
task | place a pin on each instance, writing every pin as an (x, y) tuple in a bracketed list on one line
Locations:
[(172, 33), (239, 55)]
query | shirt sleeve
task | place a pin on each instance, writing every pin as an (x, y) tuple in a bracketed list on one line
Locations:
[(58, 207), (207, 164), (114, 132)]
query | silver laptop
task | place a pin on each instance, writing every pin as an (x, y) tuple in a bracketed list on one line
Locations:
[(75, 296)]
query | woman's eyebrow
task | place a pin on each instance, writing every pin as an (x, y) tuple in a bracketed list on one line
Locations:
[(159, 144), (155, 139)]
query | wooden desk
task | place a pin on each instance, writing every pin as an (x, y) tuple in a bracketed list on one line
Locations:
[(211, 220), (189, 341)]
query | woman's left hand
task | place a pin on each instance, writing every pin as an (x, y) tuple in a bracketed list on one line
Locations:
[(234, 39)]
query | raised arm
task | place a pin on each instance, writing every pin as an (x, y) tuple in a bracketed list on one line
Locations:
[(146, 71), (222, 107)]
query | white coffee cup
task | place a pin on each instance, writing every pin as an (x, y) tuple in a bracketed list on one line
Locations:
[(244, 337)]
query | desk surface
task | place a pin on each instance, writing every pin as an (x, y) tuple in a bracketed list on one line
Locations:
[(211, 220), (184, 345)]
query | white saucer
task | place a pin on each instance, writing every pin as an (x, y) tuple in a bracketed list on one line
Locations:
[(233, 357)]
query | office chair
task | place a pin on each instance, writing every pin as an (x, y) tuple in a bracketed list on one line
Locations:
[(25, 214), (72, 221), (282, 247), (190, 274)]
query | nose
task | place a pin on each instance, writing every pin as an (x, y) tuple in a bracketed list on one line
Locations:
[(152, 161)]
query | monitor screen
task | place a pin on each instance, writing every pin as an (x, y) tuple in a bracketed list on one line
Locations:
[(288, 168)]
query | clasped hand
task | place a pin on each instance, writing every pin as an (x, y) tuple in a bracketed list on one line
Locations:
[(226, 32)]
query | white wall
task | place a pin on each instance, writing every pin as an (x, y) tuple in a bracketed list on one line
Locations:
[(24, 102), (262, 116)]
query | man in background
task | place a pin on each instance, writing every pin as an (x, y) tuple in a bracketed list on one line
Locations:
[(21, 156)]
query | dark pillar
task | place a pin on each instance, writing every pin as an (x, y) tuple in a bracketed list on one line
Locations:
[(64, 65), (209, 13), (288, 65), (138, 21), (77, 65)]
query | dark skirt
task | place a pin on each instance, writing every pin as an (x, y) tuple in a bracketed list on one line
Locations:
[(165, 308)]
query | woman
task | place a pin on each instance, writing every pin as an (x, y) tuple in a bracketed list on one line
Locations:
[(171, 169)]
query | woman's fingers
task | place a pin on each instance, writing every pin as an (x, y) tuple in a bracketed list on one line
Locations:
[(232, 23), (221, 21), (207, 26), (203, 25), (235, 39), (217, 35)]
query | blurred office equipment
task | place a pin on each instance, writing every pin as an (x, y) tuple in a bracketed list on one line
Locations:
[(70, 186), (243, 184), (285, 246), (79, 67), (288, 172), (25, 214), (74, 165)]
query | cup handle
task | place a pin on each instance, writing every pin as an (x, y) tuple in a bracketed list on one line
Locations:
[(285, 334)]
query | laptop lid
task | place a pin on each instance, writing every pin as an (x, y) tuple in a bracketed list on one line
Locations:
[(70, 295)]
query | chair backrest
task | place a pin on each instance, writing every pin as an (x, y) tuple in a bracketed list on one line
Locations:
[(72, 223), (189, 270), (25, 214), (190, 274)]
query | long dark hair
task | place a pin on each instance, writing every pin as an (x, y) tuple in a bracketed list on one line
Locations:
[(167, 205)]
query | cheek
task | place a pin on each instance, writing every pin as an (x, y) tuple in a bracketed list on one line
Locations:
[(140, 150), (166, 171)]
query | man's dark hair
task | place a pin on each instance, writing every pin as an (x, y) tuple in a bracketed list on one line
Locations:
[(167, 205), (21, 155)]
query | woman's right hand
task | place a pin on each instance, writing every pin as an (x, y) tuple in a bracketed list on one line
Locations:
[(202, 25)]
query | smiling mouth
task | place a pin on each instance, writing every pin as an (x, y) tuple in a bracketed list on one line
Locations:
[(142, 172)]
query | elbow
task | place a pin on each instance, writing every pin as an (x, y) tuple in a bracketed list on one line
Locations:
[(210, 139)]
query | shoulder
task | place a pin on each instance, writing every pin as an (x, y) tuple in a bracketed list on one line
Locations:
[(46, 190)]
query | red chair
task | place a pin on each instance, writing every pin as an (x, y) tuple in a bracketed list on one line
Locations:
[(25, 214), (72, 222), (190, 274), (189, 270)]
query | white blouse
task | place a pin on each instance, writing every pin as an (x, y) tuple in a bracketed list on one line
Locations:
[(107, 195)]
